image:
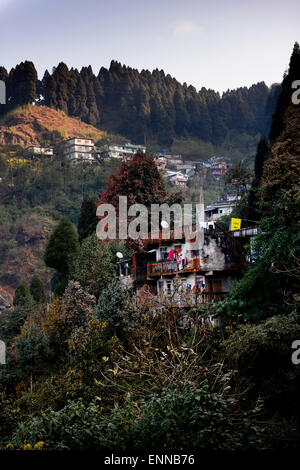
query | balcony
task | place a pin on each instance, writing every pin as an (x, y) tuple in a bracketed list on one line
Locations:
[(161, 267), (165, 267), (190, 298)]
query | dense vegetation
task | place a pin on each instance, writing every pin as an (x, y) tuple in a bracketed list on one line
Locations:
[(271, 285), (144, 106), (34, 194), (94, 369)]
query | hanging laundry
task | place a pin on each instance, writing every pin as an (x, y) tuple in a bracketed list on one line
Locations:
[(171, 254)]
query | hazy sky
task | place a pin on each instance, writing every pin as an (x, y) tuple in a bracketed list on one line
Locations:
[(216, 44)]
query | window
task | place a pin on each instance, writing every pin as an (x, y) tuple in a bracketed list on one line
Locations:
[(169, 287), (216, 285), (163, 253)]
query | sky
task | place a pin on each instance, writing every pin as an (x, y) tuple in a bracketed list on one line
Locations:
[(219, 44)]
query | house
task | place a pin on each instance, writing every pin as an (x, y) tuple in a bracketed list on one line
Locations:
[(207, 273), (121, 151), (205, 268), (78, 149), (36, 150), (177, 178), (217, 209), (161, 162), (218, 166), (175, 160)]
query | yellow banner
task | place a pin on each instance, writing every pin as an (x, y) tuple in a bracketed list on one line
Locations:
[(235, 224)]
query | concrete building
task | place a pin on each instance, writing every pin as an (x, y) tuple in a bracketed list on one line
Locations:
[(78, 149), (35, 150), (177, 178), (161, 162), (217, 209), (175, 160), (207, 273), (205, 270), (219, 166), (121, 151)]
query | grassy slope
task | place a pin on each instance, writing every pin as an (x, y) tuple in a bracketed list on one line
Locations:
[(31, 125)]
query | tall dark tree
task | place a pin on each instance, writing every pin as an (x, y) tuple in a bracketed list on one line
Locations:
[(37, 289), (22, 84), (252, 211), (61, 77), (62, 246), (93, 113), (3, 74), (285, 96), (22, 294), (87, 221)]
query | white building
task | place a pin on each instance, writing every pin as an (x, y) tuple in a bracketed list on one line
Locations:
[(218, 209), (122, 151), (177, 178), (175, 160), (37, 150), (79, 149), (161, 162)]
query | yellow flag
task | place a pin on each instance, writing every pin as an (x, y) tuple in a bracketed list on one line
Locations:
[(235, 224)]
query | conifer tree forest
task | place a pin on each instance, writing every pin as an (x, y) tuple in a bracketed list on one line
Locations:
[(143, 106)]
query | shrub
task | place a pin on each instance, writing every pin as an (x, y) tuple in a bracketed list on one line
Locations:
[(262, 355), (177, 419), (185, 418), (74, 427)]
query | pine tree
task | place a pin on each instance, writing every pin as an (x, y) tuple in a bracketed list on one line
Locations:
[(37, 289), (61, 76), (87, 221), (22, 294), (22, 84), (81, 98), (284, 99), (50, 93), (252, 212), (42, 89), (62, 246), (93, 114), (3, 74)]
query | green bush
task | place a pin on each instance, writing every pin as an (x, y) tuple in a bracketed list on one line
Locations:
[(186, 418), (177, 419), (115, 307), (262, 355), (74, 427)]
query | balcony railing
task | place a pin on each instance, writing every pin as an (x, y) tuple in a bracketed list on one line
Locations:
[(159, 268), (162, 267), (191, 298)]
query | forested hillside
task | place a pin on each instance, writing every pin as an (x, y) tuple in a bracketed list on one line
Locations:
[(96, 370), (145, 106)]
